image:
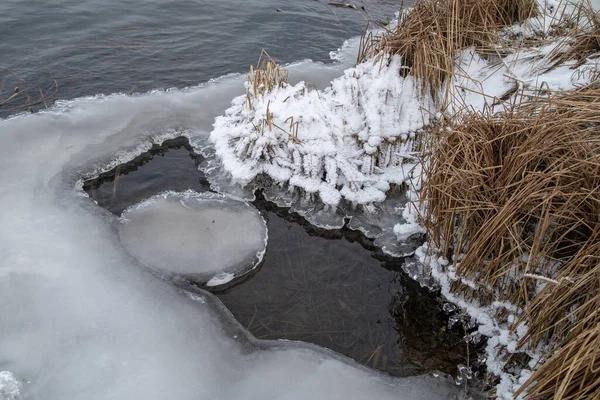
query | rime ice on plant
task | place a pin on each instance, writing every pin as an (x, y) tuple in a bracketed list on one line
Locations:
[(347, 142)]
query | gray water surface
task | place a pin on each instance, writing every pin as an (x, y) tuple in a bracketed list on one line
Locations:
[(62, 49)]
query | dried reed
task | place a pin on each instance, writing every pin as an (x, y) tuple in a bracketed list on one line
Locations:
[(25, 97), (428, 36), (517, 196), (573, 372), (266, 76), (581, 35), (263, 78)]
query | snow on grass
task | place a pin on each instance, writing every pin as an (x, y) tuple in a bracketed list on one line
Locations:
[(486, 83), (501, 338), (347, 142)]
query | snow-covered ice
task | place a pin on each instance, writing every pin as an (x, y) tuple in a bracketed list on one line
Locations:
[(337, 153), (204, 237), (81, 319)]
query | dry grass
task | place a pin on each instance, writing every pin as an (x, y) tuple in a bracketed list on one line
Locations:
[(581, 35), (266, 76), (28, 96), (263, 78), (517, 195), (573, 372), (428, 36)]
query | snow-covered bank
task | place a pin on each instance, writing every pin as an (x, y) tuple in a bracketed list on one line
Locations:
[(498, 98)]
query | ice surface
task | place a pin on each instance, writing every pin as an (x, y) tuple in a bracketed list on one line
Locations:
[(204, 237), (310, 207), (220, 279), (378, 221), (80, 319)]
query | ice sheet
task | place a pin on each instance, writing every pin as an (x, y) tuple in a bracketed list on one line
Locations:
[(80, 319)]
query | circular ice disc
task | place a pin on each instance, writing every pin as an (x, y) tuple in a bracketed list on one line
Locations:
[(206, 237)]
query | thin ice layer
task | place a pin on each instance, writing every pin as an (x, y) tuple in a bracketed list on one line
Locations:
[(81, 320), (196, 235)]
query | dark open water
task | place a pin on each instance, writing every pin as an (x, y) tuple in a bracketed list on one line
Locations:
[(333, 288), (62, 49)]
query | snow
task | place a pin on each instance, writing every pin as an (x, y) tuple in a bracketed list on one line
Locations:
[(10, 387), (353, 145), (480, 82), (81, 319), (404, 231), (346, 142), (503, 338), (190, 234), (314, 75)]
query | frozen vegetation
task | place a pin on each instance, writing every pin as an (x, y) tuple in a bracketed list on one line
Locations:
[(329, 154), (346, 142), (191, 234), (82, 319)]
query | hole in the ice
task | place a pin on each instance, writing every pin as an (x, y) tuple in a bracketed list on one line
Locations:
[(334, 288)]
